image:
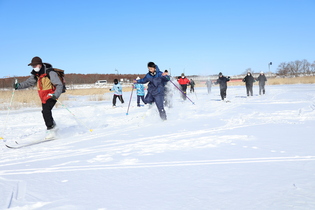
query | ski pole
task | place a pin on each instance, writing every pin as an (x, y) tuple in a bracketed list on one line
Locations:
[(77, 119), (182, 92), (130, 100), (9, 109)]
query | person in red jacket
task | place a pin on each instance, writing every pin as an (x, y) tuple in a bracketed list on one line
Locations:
[(183, 81)]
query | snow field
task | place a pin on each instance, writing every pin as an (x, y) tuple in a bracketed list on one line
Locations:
[(252, 153)]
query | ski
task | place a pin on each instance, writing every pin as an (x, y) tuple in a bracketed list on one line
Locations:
[(18, 146)]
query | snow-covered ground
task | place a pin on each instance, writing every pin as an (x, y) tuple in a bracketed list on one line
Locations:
[(251, 153)]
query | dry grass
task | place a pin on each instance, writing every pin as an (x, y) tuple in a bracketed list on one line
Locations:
[(30, 98), (276, 81)]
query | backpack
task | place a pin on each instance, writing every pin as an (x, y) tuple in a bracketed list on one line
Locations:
[(61, 75)]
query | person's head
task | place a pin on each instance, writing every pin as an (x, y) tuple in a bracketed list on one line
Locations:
[(248, 74), (116, 81), (166, 71), (36, 63), (151, 67), (261, 72), (220, 74), (183, 75)]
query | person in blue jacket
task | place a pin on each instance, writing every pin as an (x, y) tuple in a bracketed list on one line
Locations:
[(155, 93), (117, 92), (140, 92)]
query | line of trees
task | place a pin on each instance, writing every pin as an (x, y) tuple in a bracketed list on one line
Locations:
[(296, 68), (74, 79)]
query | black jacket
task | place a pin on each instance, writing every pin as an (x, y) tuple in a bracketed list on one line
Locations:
[(262, 79), (222, 82), (249, 80)]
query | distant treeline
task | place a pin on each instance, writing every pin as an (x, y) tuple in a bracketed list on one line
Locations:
[(296, 68), (74, 79)]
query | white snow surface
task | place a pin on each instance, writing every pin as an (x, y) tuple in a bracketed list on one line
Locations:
[(252, 153)]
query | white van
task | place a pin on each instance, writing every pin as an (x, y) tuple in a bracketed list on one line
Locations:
[(101, 82)]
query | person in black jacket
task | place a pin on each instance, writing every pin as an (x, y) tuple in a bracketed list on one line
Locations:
[(222, 81), (262, 81), (249, 81)]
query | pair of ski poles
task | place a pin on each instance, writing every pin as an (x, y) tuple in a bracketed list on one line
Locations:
[(172, 83)]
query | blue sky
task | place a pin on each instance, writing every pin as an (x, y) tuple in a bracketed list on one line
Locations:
[(195, 37)]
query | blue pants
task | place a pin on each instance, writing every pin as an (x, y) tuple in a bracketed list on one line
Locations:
[(138, 99), (159, 100)]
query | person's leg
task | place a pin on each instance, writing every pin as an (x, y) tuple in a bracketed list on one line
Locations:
[(148, 99), (114, 100), (121, 99), (159, 103), (47, 114), (138, 100)]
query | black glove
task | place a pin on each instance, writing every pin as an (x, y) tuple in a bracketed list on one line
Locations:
[(52, 96), (16, 86)]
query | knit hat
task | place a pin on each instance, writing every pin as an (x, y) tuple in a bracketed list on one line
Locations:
[(36, 60), (183, 74), (220, 74)]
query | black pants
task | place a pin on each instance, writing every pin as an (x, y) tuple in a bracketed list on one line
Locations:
[(261, 88), (249, 90), (47, 115), (138, 99), (223, 93), (184, 89), (192, 89), (120, 99)]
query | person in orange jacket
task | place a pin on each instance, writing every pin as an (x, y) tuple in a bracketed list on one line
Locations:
[(183, 81)]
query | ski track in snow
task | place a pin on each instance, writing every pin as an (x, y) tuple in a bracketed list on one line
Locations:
[(140, 140)]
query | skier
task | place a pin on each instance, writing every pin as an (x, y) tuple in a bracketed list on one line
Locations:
[(49, 88), (249, 80), (140, 92), (117, 92), (183, 81), (262, 80), (155, 93), (222, 81), (192, 86), (209, 85)]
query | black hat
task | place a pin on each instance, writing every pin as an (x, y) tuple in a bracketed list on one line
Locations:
[(220, 74), (36, 60)]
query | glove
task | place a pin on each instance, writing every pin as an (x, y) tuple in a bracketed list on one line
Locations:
[(16, 86), (52, 96)]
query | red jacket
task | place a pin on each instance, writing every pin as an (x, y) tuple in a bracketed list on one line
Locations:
[(183, 81)]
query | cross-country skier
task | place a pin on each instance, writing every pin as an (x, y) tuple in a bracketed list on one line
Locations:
[(183, 81), (249, 81), (117, 92), (209, 85), (262, 81), (49, 88), (222, 81), (192, 86), (140, 92), (155, 93)]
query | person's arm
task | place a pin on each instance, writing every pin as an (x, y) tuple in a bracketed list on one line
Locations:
[(55, 80), (31, 81)]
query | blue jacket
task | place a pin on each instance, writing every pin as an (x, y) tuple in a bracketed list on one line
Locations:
[(117, 88), (140, 89), (156, 82)]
